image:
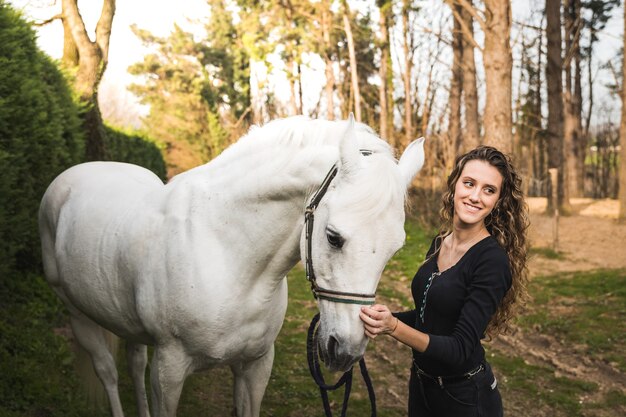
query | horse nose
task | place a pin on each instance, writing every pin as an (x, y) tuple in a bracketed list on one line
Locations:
[(338, 359)]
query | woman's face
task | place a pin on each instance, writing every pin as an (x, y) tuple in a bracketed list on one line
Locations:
[(476, 192)]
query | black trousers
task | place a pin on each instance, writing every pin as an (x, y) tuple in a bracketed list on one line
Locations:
[(474, 397)]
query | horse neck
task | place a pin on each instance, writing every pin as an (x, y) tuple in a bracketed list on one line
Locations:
[(261, 196)]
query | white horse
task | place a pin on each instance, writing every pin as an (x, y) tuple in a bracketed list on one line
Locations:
[(196, 267)]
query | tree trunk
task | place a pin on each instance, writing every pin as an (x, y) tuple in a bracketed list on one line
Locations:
[(471, 135), (572, 114), (70, 52), (92, 61), (578, 107), (330, 73), (384, 71), (429, 95), (622, 136), (299, 80), (540, 167), (408, 69), (498, 66), (354, 75), (456, 87), (554, 68)]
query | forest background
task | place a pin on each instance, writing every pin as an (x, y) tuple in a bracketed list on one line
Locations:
[(542, 80)]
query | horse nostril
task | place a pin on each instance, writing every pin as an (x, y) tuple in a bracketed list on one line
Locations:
[(333, 347)]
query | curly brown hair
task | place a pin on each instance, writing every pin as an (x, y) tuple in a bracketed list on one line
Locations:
[(508, 223)]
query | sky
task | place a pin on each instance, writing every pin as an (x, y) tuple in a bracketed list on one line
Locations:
[(159, 17)]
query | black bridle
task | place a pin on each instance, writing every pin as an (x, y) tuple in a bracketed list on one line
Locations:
[(336, 297), (346, 378), (319, 292)]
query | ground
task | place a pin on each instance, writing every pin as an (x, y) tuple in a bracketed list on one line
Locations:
[(588, 239)]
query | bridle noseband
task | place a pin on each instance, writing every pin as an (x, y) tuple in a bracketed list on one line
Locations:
[(319, 292)]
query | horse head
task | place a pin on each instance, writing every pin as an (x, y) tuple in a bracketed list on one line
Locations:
[(359, 225)]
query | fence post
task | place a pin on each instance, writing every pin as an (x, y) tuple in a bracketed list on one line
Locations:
[(554, 184)]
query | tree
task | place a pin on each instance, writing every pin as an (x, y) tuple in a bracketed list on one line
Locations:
[(529, 118), (555, 93), (456, 84), (327, 53), (572, 106), (471, 133), (198, 91), (354, 74), (622, 135), (498, 64), (385, 71), (599, 12), (88, 59)]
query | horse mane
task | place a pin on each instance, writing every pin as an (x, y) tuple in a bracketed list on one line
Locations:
[(377, 171), (376, 183), (301, 131)]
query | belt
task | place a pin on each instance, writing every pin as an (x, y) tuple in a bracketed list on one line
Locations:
[(449, 379)]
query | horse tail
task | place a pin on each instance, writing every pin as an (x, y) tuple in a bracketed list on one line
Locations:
[(92, 387)]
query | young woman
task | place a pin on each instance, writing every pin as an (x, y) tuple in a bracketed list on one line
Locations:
[(474, 275)]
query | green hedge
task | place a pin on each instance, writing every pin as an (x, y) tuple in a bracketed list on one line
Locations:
[(132, 147), (40, 136)]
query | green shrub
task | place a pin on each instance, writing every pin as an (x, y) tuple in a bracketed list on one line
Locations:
[(134, 148), (39, 137)]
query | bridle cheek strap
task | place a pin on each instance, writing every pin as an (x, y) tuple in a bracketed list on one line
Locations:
[(319, 292)]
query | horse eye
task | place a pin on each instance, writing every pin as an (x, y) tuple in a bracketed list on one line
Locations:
[(335, 239)]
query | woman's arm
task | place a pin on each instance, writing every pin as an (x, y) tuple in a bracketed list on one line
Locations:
[(377, 319), (491, 280), (406, 317)]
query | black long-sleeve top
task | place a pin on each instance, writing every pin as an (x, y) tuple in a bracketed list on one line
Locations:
[(455, 306)]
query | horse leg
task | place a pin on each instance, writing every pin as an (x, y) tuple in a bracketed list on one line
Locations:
[(92, 338), (137, 359), (170, 366), (251, 379)]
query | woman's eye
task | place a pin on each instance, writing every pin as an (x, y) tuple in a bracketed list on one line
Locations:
[(468, 183), (335, 239)]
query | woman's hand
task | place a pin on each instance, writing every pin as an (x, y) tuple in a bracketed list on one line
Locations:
[(377, 319)]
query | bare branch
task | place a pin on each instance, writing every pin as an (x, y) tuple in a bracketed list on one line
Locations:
[(49, 20), (467, 32), (103, 28), (528, 26), (571, 52), (473, 11)]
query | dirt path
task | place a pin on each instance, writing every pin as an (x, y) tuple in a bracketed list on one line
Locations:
[(588, 239)]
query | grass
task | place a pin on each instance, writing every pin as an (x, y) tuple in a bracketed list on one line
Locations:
[(547, 253), (585, 311), (517, 379)]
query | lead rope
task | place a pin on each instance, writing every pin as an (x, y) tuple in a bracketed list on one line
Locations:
[(346, 378)]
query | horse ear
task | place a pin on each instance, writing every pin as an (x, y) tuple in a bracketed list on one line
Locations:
[(348, 147), (412, 160)]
